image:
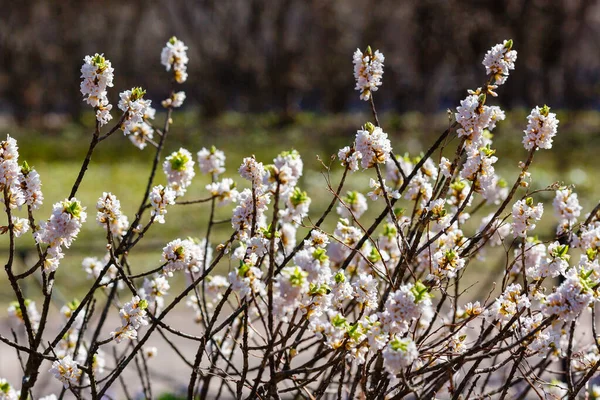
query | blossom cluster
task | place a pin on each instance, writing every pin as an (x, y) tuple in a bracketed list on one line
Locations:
[(368, 71), (133, 317), (174, 56), (60, 230), (97, 76)]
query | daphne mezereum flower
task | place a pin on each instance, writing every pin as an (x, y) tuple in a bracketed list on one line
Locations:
[(555, 262), (571, 297), (499, 60), (524, 214), (252, 170), (175, 101), (508, 303), (174, 55), (31, 186), (20, 225), (290, 165), (140, 134), (109, 214), (179, 169), (14, 311), (133, 317), (154, 291), (373, 145), (178, 255), (365, 290), (446, 263), (541, 128), (368, 71), (7, 392), (479, 169), (378, 191), (211, 161), (354, 203), (473, 116), (60, 229), (350, 158), (137, 108), (223, 191), (245, 280), (66, 371), (399, 354), (97, 76), (404, 306), (244, 215), (160, 198), (566, 208), (10, 173), (292, 283), (297, 206), (187, 255)]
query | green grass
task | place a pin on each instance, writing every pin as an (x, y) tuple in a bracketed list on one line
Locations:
[(122, 169)]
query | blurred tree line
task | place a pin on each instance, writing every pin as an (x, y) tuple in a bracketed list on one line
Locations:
[(289, 55)]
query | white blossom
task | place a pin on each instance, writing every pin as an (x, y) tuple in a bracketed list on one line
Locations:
[(61, 229), (20, 225), (541, 128), (566, 208), (140, 134), (66, 371), (570, 298), (405, 306), (211, 161), (175, 101), (252, 170), (473, 118), (524, 214), (185, 255), (446, 263), (7, 392), (499, 60), (245, 280), (244, 215), (174, 55), (109, 214), (373, 145), (136, 108), (365, 291), (14, 311), (160, 198), (399, 354), (350, 158), (133, 317), (223, 191), (378, 191), (97, 76), (32, 187), (10, 173), (368, 71), (179, 169), (150, 351), (154, 291), (354, 203), (509, 303)]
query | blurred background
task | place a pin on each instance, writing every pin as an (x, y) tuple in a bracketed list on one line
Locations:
[(289, 56), (271, 75)]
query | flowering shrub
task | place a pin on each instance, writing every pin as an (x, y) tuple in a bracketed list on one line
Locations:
[(373, 309)]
